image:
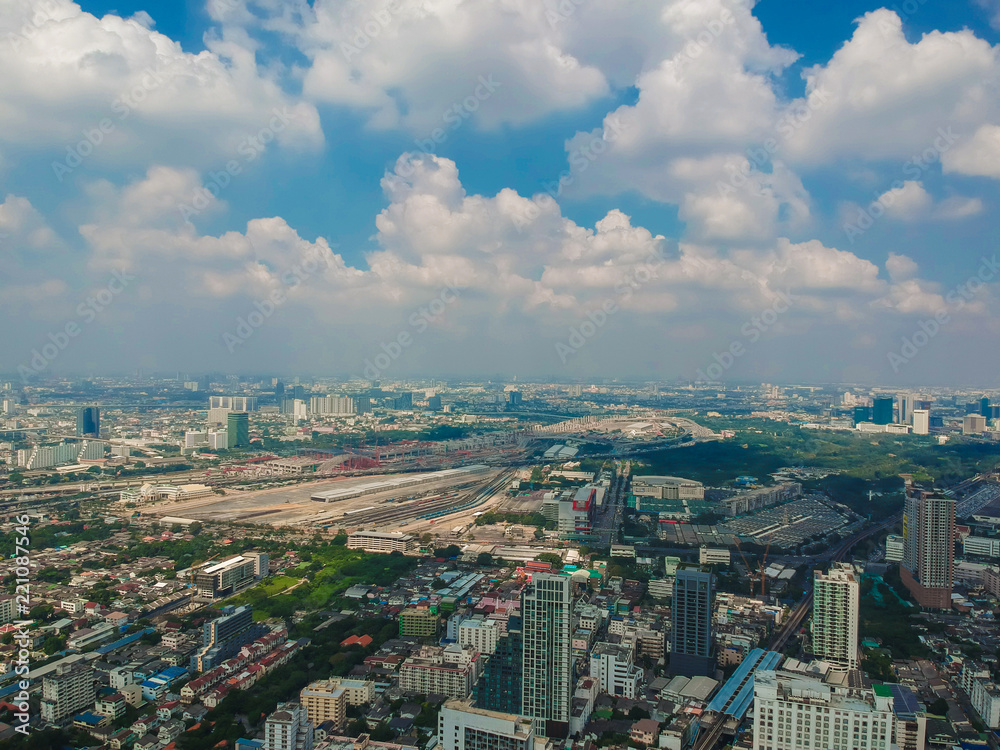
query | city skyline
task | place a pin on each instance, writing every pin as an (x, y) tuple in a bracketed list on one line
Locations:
[(678, 191)]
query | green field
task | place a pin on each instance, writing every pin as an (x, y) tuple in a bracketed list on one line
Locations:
[(761, 447)]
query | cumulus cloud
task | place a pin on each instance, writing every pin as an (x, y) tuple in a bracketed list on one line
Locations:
[(118, 93), (979, 156)]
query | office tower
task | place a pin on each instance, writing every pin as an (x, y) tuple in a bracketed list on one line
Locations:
[(836, 601), (547, 664), (691, 638), (238, 427), (862, 414), (225, 635), (88, 422), (279, 391), (66, 691), (974, 424), (984, 407), (403, 402), (297, 391), (434, 403), (972, 408), (462, 726), (514, 398), (288, 729), (499, 687), (929, 554), (905, 406), (882, 409), (798, 712), (362, 404), (921, 421), (233, 403)]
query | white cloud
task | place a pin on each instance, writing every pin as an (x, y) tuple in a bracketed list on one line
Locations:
[(979, 156), (941, 81), (910, 201), (116, 92)]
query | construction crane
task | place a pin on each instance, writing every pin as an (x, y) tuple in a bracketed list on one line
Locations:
[(761, 566)]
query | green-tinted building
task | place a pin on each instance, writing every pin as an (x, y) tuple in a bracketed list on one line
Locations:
[(238, 427), (419, 622), (882, 410), (499, 687)]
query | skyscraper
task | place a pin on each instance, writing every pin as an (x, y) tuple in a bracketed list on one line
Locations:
[(882, 409), (499, 687), (862, 414), (691, 637), (88, 422), (238, 427), (905, 405), (836, 598), (929, 553), (547, 662), (984, 407), (921, 421)]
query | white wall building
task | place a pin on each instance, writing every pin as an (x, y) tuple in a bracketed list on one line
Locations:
[(479, 633), (612, 664), (836, 602), (461, 726), (794, 712)]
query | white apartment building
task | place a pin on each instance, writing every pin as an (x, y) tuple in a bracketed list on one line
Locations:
[(479, 633), (981, 546), (985, 698), (836, 603), (612, 664), (67, 691), (895, 547), (450, 671), (795, 712), (376, 541), (461, 726), (288, 729)]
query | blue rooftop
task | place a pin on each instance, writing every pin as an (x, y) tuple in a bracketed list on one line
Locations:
[(735, 696), (124, 641)]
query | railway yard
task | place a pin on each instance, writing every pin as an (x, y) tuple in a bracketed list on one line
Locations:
[(422, 501)]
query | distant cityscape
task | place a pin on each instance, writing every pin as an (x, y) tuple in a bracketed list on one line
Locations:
[(580, 565)]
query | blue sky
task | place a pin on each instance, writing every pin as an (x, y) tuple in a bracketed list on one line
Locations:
[(726, 152)]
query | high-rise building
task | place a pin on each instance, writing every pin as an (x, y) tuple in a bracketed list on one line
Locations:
[(288, 729), (921, 421), (904, 403), (66, 691), (325, 700), (928, 563), (434, 403), (882, 410), (233, 403), (798, 712), (462, 726), (547, 664), (238, 427), (499, 688), (862, 414), (984, 407), (225, 635), (88, 422), (514, 398), (836, 600), (974, 424), (691, 638)]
